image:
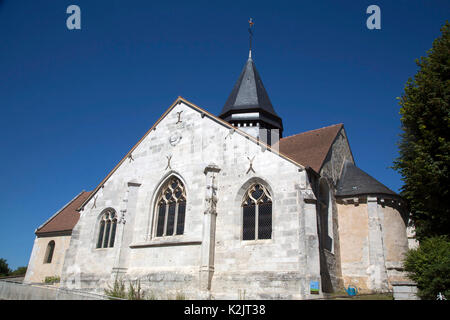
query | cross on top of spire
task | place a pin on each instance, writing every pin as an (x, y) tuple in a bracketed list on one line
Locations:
[(250, 25)]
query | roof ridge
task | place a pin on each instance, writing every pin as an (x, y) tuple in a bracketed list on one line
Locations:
[(296, 134)]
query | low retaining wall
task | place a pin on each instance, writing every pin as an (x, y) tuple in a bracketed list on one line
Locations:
[(405, 290), (10, 290)]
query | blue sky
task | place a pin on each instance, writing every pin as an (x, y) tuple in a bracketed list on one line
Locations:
[(74, 102)]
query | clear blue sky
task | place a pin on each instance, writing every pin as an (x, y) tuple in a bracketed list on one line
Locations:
[(74, 102)]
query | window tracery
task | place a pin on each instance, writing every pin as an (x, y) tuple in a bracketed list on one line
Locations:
[(107, 229), (257, 213), (171, 208)]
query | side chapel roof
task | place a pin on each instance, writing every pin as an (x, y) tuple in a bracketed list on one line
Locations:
[(354, 181), (65, 219)]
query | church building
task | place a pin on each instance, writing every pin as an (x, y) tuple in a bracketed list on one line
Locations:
[(226, 207)]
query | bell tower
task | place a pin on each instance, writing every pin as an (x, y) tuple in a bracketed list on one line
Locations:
[(249, 108)]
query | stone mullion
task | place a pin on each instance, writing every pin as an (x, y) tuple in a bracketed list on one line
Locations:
[(175, 219), (165, 220), (110, 232), (256, 220), (104, 234), (113, 227)]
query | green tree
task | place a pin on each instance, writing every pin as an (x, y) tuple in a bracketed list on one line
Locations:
[(4, 268), (424, 146), (20, 271), (429, 267)]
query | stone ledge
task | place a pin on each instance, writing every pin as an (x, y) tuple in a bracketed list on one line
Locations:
[(165, 243), (404, 290), (403, 283)]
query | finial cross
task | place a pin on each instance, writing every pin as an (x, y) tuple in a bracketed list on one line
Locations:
[(250, 25)]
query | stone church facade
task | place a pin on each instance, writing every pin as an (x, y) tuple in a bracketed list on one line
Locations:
[(227, 208)]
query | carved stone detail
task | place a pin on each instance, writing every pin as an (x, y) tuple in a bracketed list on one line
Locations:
[(175, 138)]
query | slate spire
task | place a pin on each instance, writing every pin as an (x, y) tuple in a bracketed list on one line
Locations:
[(249, 105)]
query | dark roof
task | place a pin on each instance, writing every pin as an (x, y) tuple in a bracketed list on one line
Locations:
[(249, 92), (249, 95), (66, 218), (310, 148), (354, 181)]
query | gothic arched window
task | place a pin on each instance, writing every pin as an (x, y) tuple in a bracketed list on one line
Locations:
[(49, 252), (257, 213), (107, 232), (171, 208)]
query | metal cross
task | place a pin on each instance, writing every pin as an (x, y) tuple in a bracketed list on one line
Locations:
[(95, 203), (230, 132), (168, 162), (179, 116), (251, 165), (130, 157), (250, 25)]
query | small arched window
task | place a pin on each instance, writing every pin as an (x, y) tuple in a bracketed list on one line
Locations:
[(171, 208), (107, 232), (49, 252), (257, 213)]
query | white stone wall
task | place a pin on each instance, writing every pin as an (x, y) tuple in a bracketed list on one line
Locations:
[(373, 242), (280, 267)]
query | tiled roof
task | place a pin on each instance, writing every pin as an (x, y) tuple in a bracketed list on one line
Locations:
[(66, 218), (310, 148)]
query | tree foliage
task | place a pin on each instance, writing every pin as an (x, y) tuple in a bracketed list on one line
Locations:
[(429, 267), (424, 146), (4, 267), (20, 271), (6, 271)]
